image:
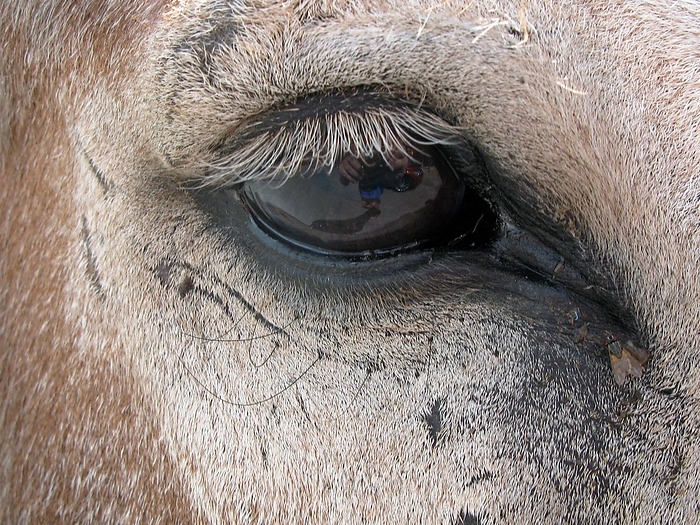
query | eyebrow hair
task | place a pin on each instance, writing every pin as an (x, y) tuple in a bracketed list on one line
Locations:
[(317, 131)]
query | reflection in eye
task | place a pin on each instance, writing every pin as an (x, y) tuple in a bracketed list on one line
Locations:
[(398, 172), (373, 205)]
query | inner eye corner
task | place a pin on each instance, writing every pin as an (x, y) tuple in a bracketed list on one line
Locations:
[(375, 206)]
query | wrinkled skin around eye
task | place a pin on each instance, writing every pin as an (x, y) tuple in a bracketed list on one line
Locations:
[(371, 205)]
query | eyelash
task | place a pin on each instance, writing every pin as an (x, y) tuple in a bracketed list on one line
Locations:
[(298, 147)]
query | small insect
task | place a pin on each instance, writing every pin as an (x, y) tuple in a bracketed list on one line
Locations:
[(625, 360)]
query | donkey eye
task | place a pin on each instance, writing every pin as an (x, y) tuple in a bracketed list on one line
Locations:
[(373, 205)]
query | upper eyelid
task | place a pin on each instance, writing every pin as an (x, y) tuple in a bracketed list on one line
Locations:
[(283, 143), (212, 88)]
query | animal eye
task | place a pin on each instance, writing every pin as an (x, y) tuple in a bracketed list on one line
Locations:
[(373, 205)]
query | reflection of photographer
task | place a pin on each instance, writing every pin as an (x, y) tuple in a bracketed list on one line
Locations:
[(398, 173)]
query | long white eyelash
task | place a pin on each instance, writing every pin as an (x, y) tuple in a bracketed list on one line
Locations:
[(302, 147)]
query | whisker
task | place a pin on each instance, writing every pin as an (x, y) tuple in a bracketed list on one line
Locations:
[(279, 330), (352, 401), (218, 397), (250, 355), (218, 338)]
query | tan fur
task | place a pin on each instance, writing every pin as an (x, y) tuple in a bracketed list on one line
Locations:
[(159, 364)]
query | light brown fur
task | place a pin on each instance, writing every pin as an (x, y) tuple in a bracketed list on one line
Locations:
[(316, 401)]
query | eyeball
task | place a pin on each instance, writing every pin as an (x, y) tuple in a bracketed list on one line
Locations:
[(372, 205)]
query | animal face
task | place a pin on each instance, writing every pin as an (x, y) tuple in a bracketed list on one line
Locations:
[(288, 262)]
